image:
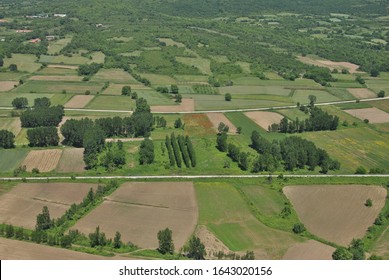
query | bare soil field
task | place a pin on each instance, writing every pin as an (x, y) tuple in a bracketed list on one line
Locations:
[(124, 139), (139, 210), (212, 244), (361, 93), (310, 250), (72, 160), (19, 250), (337, 213), (79, 101), (7, 85), (217, 118), (24, 202), (353, 68), (374, 115), (187, 105), (44, 160), (264, 119), (62, 66), (57, 78)]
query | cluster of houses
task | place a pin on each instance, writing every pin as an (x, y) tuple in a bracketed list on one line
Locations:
[(46, 16)]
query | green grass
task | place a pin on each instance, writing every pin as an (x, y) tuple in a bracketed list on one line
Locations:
[(294, 113), (21, 138), (245, 67), (354, 147), (354, 105), (171, 42), (382, 246), (11, 159), (75, 59), (10, 124), (58, 87), (156, 79), (346, 84), (378, 85), (185, 79), (6, 98), (204, 65), (220, 58), (60, 98), (154, 98), (321, 95), (112, 103), (341, 93), (269, 90), (25, 62), (118, 76), (343, 116), (57, 45), (254, 81), (47, 71), (11, 76)]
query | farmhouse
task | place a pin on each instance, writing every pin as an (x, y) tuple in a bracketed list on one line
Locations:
[(35, 41)]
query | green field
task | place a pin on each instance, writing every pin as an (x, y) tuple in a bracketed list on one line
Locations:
[(48, 71), (294, 113), (381, 104), (10, 124), (75, 59), (204, 65), (24, 62), (341, 93), (105, 102), (254, 81), (58, 87), (21, 138), (267, 90), (118, 76), (378, 85), (321, 95), (185, 79), (57, 45), (11, 76), (154, 98), (227, 215), (156, 79), (6, 98), (245, 67), (60, 98), (382, 246), (11, 159)]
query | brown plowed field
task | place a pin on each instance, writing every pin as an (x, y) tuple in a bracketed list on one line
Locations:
[(353, 68), (187, 105), (79, 101), (264, 119), (56, 78), (23, 203), (217, 118), (374, 115), (7, 86), (72, 160), (44, 160), (139, 210), (62, 66), (310, 250), (19, 250), (361, 93), (337, 213)]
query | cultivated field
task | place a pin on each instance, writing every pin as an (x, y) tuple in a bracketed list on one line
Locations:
[(116, 89), (337, 213), (44, 160), (71, 160), (204, 65), (115, 76), (217, 118), (11, 159), (7, 85), (353, 68), (57, 45), (7, 98), (139, 210), (187, 105), (267, 90), (33, 196), (57, 87), (361, 93), (156, 79), (264, 119), (56, 78), (11, 124), (198, 125), (61, 66), (374, 115), (106, 102), (79, 101), (302, 96), (24, 62), (309, 250)]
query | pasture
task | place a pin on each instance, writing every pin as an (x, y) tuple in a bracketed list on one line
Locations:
[(321, 96), (374, 115), (44, 160), (382, 246), (57, 45), (33, 196), (6, 98), (264, 119), (337, 213), (24, 62), (267, 90), (106, 102), (11, 124), (57, 71), (139, 210), (58, 87), (171, 42), (191, 79), (67, 78), (156, 79)]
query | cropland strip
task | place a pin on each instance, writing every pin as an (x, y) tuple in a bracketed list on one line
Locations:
[(374, 115), (309, 250), (43, 160), (264, 119)]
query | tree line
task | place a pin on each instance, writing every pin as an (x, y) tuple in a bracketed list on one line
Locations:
[(180, 149)]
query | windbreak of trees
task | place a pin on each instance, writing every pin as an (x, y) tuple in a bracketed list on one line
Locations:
[(43, 136), (180, 149), (7, 139), (42, 116)]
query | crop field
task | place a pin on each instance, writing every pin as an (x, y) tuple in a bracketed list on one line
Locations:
[(254, 81), (57, 45), (378, 85), (33, 196), (374, 115), (11, 159), (321, 95), (269, 90), (381, 104), (56, 78), (11, 124), (294, 113), (264, 119), (60, 98), (217, 118), (139, 210), (107, 102), (61, 70), (21, 138), (118, 76), (361, 93), (154, 98), (6, 98), (75, 59), (57, 87), (24, 62), (337, 213), (353, 147), (187, 105), (204, 89), (191, 79), (198, 125), (309, 250), (44, 160), (11, 76), (224, 212), (353, 68), (7, 85), (79, 101), (203, 64), (71, 161), (62, 66), (156, 79)]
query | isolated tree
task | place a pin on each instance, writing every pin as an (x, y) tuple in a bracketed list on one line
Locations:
[(222, 128), (165, 240), (381, 94), (374, 72), (361, 170), (196, 249), (174, 89), (117, 243), (369, 203), (43, 221), (13, 67), (146, 152), (178, 98), (126, 90), (7, 139), (20, 103), (298, 228), (312, 100), (227, 97)]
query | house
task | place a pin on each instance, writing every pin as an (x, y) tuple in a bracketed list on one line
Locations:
[(50, 38), (35, 41), (60, 15)]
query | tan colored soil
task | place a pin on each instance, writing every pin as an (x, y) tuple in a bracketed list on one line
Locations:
[(264, 119), (44, 160), (187, 105), (212, 244), (72, 160), (139, 210), (62, 66), (23, 203), (7, 86), (310, 250), (56, 78), (124, 139), (352, 68), (19, 250), (337, 213), (217, 118), (361, 93), (79, 101), (374, 115)]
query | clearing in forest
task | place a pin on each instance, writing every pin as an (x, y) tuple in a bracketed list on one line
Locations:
[(374, 115), (309, 250), (337, 213), (217, 118), (58, 197), (139, 210), (264, 119), (187, 105), (361, 93), (79, 101), (72, 160), (44, 160)]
